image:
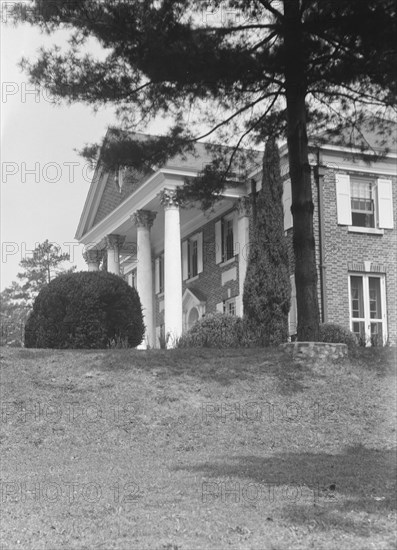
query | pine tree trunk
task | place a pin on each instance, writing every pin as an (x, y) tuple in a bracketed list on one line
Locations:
[(300, 174)]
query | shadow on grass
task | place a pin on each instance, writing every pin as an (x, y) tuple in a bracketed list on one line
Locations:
[(383, 361), (224, 366), (358, 480)]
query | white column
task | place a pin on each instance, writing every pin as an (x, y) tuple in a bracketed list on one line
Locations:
[(92, 258), (113, 245), (172, 267), (243, 208), (143, 219)]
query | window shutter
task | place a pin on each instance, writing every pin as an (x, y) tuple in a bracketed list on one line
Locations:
[(287, 202), (236, 240), (343, 201), (157, 275), (218, 242), (385, 204), (184, 260), (219, 307), (199, 252), (292, 315)]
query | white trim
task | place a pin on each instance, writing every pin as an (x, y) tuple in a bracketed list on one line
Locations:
[(94, 189), (200, 260), (293, 311), (287, 203), (353, 151), (218, 242), (185, 249), (385, 203), (229, 275), (122, 213), (368, 230), (227, 262), (365, 277), (343, 199)]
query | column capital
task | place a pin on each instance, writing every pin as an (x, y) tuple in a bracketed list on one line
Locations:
[(143, 218), (243, 206), (114, 242), (93, 255), (169, 198)]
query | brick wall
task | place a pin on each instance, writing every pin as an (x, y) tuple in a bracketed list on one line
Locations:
[(208, 282), (342, 247), (316, 228)]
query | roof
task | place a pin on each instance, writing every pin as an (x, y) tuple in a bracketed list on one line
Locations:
[(366, 139), (199, 157)]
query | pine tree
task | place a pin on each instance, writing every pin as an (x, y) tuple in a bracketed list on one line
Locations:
[(267, 291), (249, 69), (39, 269)]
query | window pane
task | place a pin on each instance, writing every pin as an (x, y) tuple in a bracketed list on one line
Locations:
[(229, 240), (194, 258), (357, 298), (376, 334), (358, 327), (362, 203), (375, 306)]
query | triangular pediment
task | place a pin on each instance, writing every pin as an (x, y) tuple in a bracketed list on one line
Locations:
[(116, 189)]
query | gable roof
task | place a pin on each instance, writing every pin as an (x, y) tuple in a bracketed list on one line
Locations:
[(105, 195)]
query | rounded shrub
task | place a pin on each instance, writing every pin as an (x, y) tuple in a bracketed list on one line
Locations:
[(336, 334), (216, 330), (85, 310)]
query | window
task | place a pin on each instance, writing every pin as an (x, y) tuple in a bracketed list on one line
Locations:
[(364, 204), (159, 274), (367, 308), (225, 238), (362, 198), (192, 256), (229, 306)]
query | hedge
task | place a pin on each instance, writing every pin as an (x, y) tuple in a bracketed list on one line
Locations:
[(85, 310)]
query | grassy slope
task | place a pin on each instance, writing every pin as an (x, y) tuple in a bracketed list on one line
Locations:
[(316, 473)]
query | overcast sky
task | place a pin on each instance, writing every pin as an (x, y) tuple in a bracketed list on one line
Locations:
[(42, 191)]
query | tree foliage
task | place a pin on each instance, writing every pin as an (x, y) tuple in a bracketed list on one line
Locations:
[(39, 269), (267, 291), (235, 71), (14, 310)]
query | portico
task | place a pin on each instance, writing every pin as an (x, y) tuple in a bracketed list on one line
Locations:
[(141, 240)]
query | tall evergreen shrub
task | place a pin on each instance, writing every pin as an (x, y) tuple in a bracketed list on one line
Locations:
[(267, 289)]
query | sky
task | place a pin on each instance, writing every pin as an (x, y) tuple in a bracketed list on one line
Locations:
[(44, 182)]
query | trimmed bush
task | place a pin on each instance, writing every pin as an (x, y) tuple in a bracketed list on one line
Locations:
[(217, 330), (85, 310), (336, 334)]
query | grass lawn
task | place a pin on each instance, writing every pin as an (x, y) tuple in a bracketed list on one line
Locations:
[(202, 449)]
